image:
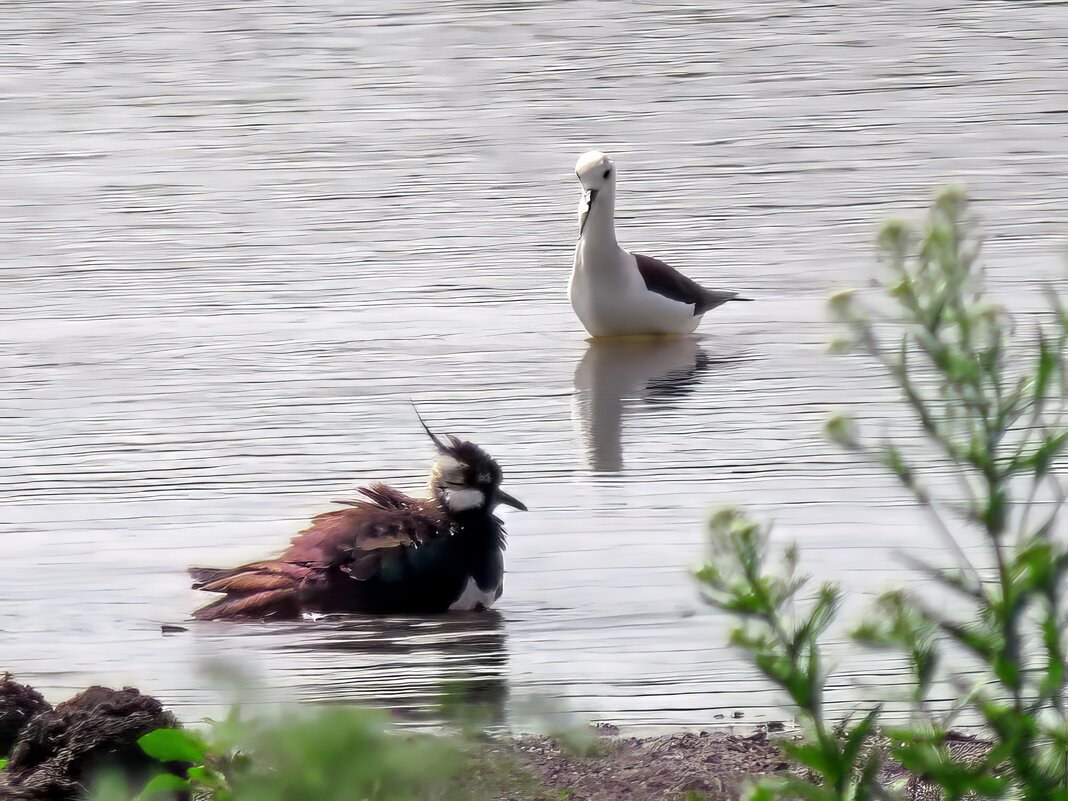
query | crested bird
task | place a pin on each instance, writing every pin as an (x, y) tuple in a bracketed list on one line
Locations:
[(617, 293), (390, 553)]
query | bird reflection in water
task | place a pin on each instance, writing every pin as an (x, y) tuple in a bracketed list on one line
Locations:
[(421, 669), (613, 372)]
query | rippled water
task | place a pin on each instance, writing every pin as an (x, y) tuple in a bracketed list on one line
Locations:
[(236, 240)]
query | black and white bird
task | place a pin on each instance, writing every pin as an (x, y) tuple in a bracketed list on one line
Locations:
[(616, 293), (391, 553)]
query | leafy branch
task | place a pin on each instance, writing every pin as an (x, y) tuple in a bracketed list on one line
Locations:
[(991, 404)]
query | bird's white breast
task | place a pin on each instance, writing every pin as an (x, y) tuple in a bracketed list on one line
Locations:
[(474, 598), (610, 297)]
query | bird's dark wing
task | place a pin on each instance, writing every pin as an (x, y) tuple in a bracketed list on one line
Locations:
[(357, 541), (663, 279)]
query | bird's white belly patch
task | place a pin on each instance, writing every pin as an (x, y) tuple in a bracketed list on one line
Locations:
[(618, 302), (473, 598)]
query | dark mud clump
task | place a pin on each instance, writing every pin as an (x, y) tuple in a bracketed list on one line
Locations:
[(18, 703), (58, 752)]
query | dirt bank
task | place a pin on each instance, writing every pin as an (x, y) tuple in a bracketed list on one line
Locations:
[(54, 750), (706, 765)]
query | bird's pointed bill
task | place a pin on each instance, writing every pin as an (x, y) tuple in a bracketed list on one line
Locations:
[(508, 500), (591, 196)]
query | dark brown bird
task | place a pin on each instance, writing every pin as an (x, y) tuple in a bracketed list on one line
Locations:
[(390, 553)]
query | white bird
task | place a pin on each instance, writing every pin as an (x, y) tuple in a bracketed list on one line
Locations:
[(616, 293)]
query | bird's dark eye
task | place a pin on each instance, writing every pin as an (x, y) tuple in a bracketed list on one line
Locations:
[(607, 172)]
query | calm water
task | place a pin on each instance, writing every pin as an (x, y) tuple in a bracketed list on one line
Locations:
[(236, 241)]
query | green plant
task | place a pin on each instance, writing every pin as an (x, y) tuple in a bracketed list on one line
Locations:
[(991, 405), (207, 764), (782, 637), (341, 753), (334, 753)]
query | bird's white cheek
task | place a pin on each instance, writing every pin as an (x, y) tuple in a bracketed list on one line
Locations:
[(462, 500)]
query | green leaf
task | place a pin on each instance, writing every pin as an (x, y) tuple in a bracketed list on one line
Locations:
[(841, 303), (1047, 364), (1007, 670), (173, 745), (1043, 457), (163, 783), (811, 755), (894, 460), (972, 637), (855, 739), (821, 616), (209, 778), (764, 790), (3, 764), (842, 430), (867, 780)]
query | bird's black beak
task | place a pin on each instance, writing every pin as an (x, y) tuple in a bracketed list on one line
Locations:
[(589, 208), (508, 500)]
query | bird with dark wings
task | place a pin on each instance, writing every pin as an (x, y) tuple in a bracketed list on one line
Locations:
[(385, 553)]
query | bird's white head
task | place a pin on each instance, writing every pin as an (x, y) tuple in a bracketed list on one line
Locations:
[(597, 174), (595, 170)]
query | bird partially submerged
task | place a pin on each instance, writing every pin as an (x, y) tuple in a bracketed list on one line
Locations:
[(390, 553)]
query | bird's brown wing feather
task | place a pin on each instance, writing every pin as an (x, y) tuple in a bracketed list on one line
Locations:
[(367, 526), (663, 279), (264, 605), (356, 540), (257, 590)]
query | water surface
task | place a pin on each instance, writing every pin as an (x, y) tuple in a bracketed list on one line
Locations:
[(237, 240)]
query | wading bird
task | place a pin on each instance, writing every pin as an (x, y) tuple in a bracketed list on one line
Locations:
[(616, 293)]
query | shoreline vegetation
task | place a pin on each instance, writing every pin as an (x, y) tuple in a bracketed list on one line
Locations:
[(110, 734), (988, 397), (137, 750)]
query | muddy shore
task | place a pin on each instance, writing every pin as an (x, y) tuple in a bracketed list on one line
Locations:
[(53, 752), (705, 765)]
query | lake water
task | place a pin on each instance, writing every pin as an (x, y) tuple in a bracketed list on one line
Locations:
[(236, 240)]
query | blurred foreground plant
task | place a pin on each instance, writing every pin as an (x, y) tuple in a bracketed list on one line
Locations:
[(335, 754), (992, 405)]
